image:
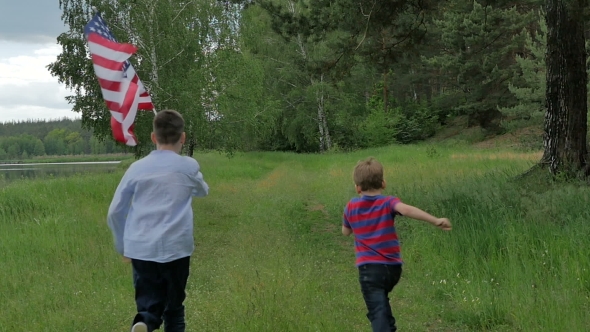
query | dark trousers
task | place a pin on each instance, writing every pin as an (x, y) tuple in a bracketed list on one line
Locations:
[(160, 292), (377, 280)]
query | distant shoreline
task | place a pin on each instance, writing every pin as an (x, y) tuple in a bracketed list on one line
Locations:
[(115, 157), (114, 162)]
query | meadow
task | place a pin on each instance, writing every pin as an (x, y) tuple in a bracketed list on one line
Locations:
[(270, 256)]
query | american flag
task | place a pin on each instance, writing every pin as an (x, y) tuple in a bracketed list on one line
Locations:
[(121, 88)]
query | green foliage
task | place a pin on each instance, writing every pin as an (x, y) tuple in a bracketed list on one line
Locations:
[(302, 75), (245, 113), (479, 41), (15, 147), (529, 90), (28, 139), (378, 128), (173, 38), (417, 122), (404, 124)]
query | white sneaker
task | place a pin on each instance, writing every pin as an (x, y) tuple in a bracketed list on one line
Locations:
[(139, 327)]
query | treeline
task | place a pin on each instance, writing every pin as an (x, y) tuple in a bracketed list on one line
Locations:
[(313, 76), (32, 138), (360, 74)]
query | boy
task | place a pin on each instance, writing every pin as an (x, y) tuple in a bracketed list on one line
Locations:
[(371, 218), (152, 223)]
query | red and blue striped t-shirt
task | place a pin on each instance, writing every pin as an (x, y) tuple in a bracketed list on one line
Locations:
[(371, 219)]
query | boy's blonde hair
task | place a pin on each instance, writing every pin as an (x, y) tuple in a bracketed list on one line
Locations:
[(168, 126), (368, 174)]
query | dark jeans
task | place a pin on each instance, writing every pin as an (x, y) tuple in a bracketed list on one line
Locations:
[(160, 292), (377, 280)]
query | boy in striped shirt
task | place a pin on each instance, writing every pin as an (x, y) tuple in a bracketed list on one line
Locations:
[(370, 218)]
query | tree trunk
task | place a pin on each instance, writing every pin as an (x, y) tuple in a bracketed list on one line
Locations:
[(565, 119), (385, 93), (327, 136), (191, 142), (325, 139)]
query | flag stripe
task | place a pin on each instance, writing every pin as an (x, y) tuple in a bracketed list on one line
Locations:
[(106, 63), (107, 74), (111, 97), (116, 86), (108, 49), (127, 107), (110, 85), (131, 72), (142, 104), (148, 105)]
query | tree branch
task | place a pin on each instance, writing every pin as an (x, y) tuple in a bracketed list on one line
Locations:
[(174, 57), (181, 10), (367, 25)]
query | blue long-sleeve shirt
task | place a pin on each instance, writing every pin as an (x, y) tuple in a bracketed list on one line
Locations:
[(151, 216)]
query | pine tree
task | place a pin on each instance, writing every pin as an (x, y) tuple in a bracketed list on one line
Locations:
[(478, 42), (529, 89)]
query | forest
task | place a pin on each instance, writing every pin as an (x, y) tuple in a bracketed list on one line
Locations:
[(21, 140), (316, 76)]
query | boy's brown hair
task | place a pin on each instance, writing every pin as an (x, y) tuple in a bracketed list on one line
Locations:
[(368, 174), (168, 126)]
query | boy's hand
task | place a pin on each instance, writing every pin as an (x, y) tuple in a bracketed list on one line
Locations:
[(126, 260), (444, 224)]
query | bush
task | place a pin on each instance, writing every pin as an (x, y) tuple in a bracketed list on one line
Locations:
[(416, 122), (379, 128)]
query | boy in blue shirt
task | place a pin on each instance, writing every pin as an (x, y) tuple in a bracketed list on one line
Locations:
[(151, 219)]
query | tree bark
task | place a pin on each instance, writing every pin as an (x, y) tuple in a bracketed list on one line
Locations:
[(385, 94), (191, 144), (325, 139), (566, 116)]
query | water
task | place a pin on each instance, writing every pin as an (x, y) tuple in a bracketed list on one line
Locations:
[(11, 172)]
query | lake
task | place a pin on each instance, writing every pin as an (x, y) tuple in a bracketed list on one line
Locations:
[(11, 172)]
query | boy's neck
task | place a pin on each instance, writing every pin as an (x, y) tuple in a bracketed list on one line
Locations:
[(170, 147), (373, 192)]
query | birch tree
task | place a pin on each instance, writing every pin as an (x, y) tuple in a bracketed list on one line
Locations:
[(169, 35), (305, 82)]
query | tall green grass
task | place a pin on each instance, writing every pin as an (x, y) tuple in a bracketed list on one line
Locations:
[(270, 256)]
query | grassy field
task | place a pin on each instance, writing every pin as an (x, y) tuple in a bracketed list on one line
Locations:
[(270, 256)]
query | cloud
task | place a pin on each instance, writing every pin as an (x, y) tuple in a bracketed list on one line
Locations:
[(27, 89), (42, 94), (28, 33), (27, 67), (27, 21)]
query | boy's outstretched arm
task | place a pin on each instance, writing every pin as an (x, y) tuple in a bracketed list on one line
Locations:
[(201, 188), (415, 213)]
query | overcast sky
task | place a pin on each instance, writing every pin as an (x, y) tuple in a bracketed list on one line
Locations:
[(28, 33)]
